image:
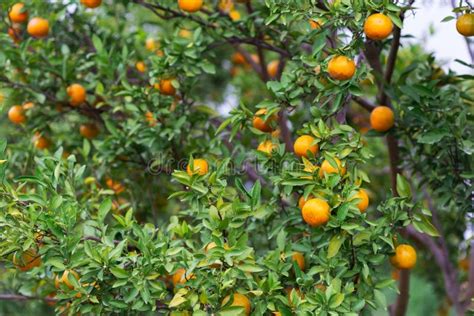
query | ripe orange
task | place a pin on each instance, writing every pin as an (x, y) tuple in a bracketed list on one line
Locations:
[(185, 33), (404, 258), (314, 24), (364, 200), (166, 87), (38, 27), (299, 258), (305, 143), (180, 277), (77, 94), (302, 201), (316, 212), (116, 186), (260, 124), (40, 142), (150, 119), (234, 15), (200, 167), (465, 24), (64, 279), (27, 260), (91, 3), (267, 147), (341, 68), (327, 168), (150, 44), (272, 68), (238, 59), (16, 114), (17, 13), (378, 26), (382, 118), (89, 131), (28, 105), (190, 5), (140, 65), (239, 300)]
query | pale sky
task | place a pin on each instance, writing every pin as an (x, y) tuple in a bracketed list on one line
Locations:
[(446, 42)]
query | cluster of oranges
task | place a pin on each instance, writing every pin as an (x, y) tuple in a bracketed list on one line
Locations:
[(18, 15)]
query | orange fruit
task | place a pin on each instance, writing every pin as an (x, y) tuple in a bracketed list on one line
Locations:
[(305, 143), (200, 167), (314, 24), (238, 59), (382, 118), (378, 26), (77, 94), (299, 258), (302, 201), (272, 68), (260, 124), (234, 15), (16, 114), (38, 27), (150, 119), (180, 277), (116, 186), (28, 105), (64, 279), (184, 33), (150, 44), (190, 5), (17, 13), (465, 24), (92, 4), (341, 68), (267, 147), (326, 167), (166, 87), (40, 142), (27, 260), (364, 200), (89, 131), (239, 300), (140, 65), (404, 258), (316, 212)]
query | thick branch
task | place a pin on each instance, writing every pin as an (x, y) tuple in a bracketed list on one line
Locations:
[(366, 104), (17, 297)]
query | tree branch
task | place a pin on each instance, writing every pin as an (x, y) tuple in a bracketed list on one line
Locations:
[(366, 104)]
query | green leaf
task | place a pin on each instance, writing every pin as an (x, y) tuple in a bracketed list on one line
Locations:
[(403, 187), (104, 209), (334, 245), (119, 272), (433, 137)]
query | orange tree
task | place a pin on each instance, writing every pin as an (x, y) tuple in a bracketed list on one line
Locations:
[(129, 186)]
